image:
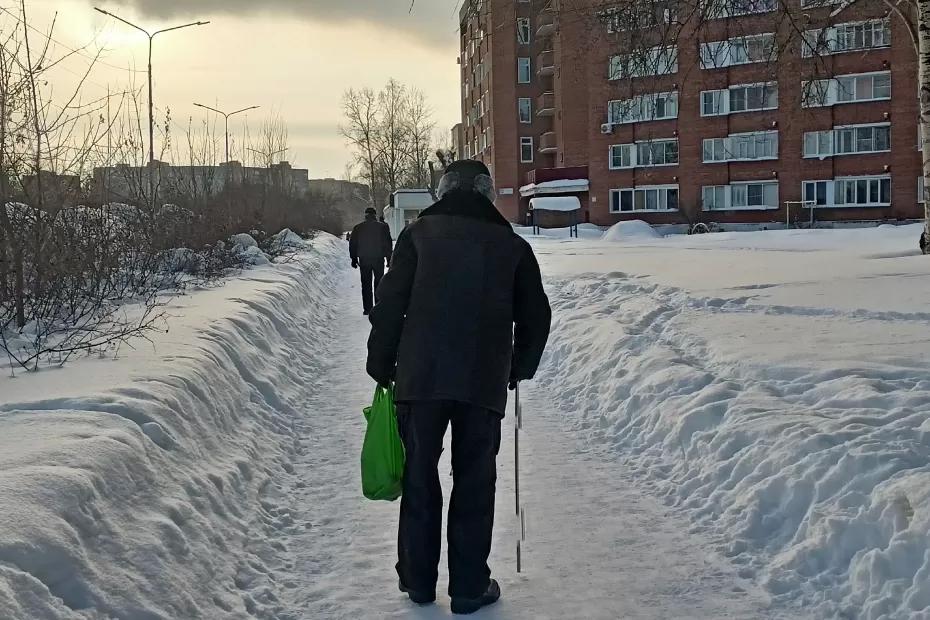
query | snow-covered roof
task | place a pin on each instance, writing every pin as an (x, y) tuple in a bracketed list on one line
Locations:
[(555, 203), (561, 186)]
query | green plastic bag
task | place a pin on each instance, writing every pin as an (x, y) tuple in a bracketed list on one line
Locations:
[(383, 450)]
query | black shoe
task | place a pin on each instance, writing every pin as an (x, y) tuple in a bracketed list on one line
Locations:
[(420, 598), (461, 605)]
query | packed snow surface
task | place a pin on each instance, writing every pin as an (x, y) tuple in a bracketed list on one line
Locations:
[(631, 230), (725, 426)]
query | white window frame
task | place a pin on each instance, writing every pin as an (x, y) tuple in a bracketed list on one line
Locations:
[(524, 64), (632, 153), (659, 60), (643, 108), (725, 98), (720, 9), (835, 39), (737, 189), (527, 141), (524, 31), (834, 187), (921, 195), (735, 51), (829, 141), (645, 191), (731, 147), (616, 18), (827, 92), (528, 101), (819, 3)]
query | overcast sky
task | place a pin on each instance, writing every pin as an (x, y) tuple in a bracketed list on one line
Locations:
[(292, 56)]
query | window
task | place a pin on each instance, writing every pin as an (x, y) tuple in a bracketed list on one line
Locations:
[(738, 51), (921, 194), (622, 156), (525, 106), (639, 14), (523, 31), (815, 192), (644, 154), (862, 192), (714, 197), (741, 147), (847, 89), (524, 71), (847, 37), (741, 98), (655, 198), (849, 192), (716, 9), (740, 196), (651, 107), (818, 143), (662, 60), (526, 150)]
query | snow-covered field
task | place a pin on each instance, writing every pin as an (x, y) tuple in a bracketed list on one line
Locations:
[(731, 425), (775, 386)]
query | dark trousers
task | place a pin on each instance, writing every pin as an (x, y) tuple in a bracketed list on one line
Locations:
[(372, 270), (476, 437)]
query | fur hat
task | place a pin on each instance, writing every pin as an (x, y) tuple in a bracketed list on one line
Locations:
[(467, 175)]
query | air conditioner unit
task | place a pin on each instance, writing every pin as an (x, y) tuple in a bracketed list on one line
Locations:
[(607, 128)]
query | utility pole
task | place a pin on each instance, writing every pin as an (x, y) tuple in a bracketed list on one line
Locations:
[(151, 37), (226, 116)]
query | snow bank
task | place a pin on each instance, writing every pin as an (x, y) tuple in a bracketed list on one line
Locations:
[(138, 488), (633, 229), (787, 416)]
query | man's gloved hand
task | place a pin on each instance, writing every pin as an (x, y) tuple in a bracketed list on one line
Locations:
[(512, 385), (354, 264)]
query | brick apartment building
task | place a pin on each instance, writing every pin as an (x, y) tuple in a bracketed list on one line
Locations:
[(747, 108)]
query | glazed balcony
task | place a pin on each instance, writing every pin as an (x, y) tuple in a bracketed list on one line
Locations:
[(545, 104)]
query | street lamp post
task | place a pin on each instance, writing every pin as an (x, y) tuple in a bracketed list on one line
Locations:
[(226, 116), (151, 37)]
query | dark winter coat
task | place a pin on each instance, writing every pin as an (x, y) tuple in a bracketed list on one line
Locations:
[(370, 241), (462, 311)]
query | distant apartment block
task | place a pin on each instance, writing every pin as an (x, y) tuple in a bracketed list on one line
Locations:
[(126, 183), (735, 120)]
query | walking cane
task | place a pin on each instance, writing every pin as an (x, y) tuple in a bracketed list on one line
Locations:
[(518, 424)]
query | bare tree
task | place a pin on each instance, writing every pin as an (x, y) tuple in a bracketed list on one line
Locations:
[(361, 112), (419, 129)]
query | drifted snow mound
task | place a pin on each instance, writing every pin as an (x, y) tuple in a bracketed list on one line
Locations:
[(816, 481), (244, 241), (630, 231), (150, 497)]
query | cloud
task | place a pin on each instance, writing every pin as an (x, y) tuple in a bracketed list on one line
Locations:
[(433, 22)]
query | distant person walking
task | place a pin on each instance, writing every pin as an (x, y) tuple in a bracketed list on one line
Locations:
[(461, 315), (370, 248)]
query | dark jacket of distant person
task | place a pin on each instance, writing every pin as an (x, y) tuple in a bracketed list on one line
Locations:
[(370, 241), (462, 312)]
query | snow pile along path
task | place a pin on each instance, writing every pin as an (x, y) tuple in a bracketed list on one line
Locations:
[(775, 388), (137, 488)]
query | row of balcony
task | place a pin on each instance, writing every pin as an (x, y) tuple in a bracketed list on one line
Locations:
[(545, 63)]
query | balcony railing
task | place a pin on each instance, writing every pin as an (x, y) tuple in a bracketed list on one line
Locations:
[(545, 104), (546, 24), (546, 63), (548, 142)]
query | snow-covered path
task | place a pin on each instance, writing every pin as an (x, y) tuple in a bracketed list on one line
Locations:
[(597, 548)]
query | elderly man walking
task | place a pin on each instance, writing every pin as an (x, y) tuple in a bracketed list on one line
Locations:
[(461, 315)]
